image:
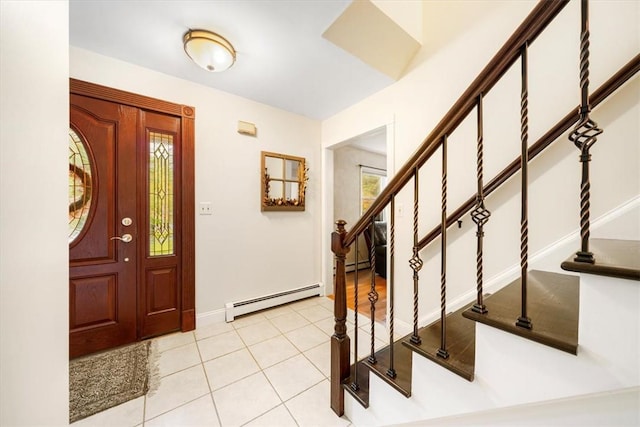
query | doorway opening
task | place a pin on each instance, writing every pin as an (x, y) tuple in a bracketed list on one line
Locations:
[(359, 175)]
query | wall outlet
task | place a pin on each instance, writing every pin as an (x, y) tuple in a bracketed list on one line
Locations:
[(205, 208)]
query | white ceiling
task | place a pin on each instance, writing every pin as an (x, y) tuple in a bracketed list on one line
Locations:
[(374, 141), (282, 59)]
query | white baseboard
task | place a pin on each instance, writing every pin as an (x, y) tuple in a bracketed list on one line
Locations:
[(209, 317)]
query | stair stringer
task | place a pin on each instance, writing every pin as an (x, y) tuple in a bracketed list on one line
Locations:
[(513, 371)]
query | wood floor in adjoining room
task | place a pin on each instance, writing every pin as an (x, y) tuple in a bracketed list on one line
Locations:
[(364, 287)]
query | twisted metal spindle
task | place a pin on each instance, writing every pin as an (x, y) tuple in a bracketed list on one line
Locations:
[(524, 321), (480, 214), (415, 262), (442, 351), (354, 383), (373, 294), (584, 135), (391, 372)]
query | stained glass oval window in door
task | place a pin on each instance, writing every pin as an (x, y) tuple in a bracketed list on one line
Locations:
[(80, 185)]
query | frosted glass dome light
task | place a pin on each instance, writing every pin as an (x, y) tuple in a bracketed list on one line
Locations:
[(209, 50)]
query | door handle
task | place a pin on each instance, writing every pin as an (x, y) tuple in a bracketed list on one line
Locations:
[(126, 238)]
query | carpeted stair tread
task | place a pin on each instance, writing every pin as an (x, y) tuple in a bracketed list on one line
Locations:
[(613, 258), (553, 307)]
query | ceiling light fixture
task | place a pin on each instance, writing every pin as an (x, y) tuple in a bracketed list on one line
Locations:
[(209, 50)]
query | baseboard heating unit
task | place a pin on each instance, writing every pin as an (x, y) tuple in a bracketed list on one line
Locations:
[(238, 308)]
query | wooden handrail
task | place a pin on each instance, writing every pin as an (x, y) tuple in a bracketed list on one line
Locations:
[(607, 88), (531, 27)]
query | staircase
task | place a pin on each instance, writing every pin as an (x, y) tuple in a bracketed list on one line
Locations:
[(539, 336), (512, 372)]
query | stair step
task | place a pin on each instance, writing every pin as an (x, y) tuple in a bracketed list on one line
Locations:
[(361, 394), (401, 383), (461, 344), (553, 306), (402, 365), (613, 258)]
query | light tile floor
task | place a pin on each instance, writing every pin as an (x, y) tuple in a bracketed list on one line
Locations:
[(266, 369)]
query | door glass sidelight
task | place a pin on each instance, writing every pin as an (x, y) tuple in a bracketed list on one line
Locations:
[(80, 185), (161, 194)]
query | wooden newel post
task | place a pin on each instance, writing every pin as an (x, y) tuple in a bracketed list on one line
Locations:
[(340, 344)]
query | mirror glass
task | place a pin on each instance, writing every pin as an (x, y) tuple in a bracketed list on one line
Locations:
[(292, 169), (291, 191), (275, 189), (274, 167)]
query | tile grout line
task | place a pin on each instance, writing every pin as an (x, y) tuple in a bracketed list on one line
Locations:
[(284, 402), (300, 352), (269, 381), (190, 401), (312, 304), (213, 401), (262, 369)]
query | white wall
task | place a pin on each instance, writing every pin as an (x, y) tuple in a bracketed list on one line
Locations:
[(442, 70), (34, 280), (241, 252)]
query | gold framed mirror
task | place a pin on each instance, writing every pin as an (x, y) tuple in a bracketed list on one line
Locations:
[(284, 182)]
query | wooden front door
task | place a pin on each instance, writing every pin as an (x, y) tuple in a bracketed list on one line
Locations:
[(126, 275)]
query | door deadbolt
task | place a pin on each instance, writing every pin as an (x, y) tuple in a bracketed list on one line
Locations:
[(127, 221)]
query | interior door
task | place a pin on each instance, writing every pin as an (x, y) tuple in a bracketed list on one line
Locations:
[(103, 225)]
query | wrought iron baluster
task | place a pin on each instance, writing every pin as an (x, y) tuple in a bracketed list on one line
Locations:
[(373, 294), (524, 321), (415, 262), (584, 135), (480, 214), (354, 383), (442, 351), (391, 372)]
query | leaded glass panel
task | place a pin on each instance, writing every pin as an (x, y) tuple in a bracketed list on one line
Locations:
[(161, 206)]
